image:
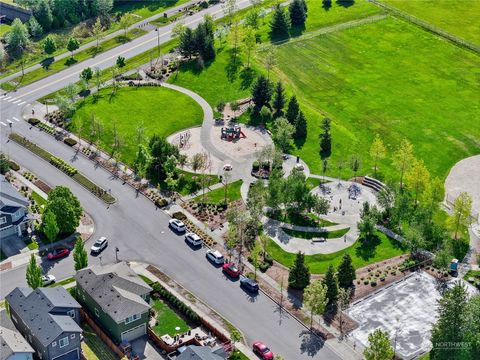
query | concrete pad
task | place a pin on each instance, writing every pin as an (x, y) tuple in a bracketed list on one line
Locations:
[(407, 309)]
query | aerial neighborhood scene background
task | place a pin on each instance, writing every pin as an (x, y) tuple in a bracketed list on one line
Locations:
[(239, 179)]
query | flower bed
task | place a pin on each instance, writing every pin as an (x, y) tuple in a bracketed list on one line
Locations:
[(191, 227), (47, 128)]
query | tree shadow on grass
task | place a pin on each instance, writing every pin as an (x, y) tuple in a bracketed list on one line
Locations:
[(247, 75), (346, 3), (368, 246), (47, 62), (326, 5), (233, 65), (297, 30), (71, 61), (299, 142)]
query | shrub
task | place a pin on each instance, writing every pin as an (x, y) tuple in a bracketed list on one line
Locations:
[(70, 141), (33, 121), (264, 266), (161, 202), (13, 165), (373, 283), (179, 215), (382, 278), (365, 282), (63, 165), (255, 166)]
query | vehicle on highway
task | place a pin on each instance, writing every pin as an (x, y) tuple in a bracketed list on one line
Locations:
[(227, 167), (99, 245), (215, 257), (193, 239), (177, 225), (58, 253), (262, 350), (249, 285), (48, 280), (231, 270)]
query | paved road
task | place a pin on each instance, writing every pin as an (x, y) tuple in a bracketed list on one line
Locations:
[(137, 228)]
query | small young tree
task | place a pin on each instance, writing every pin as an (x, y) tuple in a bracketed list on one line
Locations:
[(315, 299), (292, 110), (197, 162), (80, 256), (403, 158), (355, 164), (235, 336), (250, 43), (97, 31), (86, 75), (49, 45), (278, 99), (234, 106), (282, 134), (330, 281), (120, 62), (299, 275), (229, 7), (346, 272), (49, 226), (462, 209), (34, 273), (417, 178), (255, 256), (17, 38), (379, 346), (142, 160), (270, 58), (377, 152), (125, 21), (72, 45), (342, 304)]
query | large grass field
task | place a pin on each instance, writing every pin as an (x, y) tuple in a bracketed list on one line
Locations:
[(217, 196), (388, 78), (162, 111), (375, 250), (145, 9), (458, 17)]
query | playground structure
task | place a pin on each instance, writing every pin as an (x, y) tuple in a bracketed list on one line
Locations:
[(232, 133)]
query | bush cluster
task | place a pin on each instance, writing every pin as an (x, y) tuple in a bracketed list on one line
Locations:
[(47, 128), (13, 165), (150, 83), (175, 302), (70, 141), (33, 121), (179, 215), (63, 165)]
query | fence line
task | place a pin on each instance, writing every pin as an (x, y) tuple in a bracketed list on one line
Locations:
[(429, 27)]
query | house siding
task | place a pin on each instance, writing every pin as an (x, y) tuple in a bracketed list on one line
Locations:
[(113, 328), (73, 344), (20, 356)]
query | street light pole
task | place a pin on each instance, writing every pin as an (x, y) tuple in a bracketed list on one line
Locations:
[(116, 253), (158, 42)]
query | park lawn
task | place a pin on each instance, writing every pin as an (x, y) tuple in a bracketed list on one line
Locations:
[(459, 18), (4, 28), (217, 196), (145, 9), (335, 234), (377, 249), (162, 111), (93, 347), (385, 78), (167, 319), (191, 182), (62, 64)]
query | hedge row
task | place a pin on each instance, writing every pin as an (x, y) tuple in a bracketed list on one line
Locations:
[(33, 121), (70, 141), (63, 165), (207, 239), (175, 302), (78, 177), (47, 128)]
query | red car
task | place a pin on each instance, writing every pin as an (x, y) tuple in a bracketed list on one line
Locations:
[(231, 270), (58, 253), (262, 350)]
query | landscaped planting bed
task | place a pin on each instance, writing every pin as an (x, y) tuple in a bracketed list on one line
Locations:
[(191, 227), (294, 218), (312, 235)]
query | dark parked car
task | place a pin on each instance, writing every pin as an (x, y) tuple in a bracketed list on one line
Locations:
[(249, 284), (58, 253)]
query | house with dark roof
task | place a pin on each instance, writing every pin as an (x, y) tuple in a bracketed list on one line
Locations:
[(14, 218), (117, 298), (194, 352), (13, 345), (48, 318)]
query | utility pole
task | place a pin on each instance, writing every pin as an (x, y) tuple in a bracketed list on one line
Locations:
[(116, 253)]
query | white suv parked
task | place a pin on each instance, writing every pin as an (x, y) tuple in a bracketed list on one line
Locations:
[(215, 256), (193, 239), (177, 225)]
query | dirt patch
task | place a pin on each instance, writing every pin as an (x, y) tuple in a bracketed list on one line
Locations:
[(214, 216)]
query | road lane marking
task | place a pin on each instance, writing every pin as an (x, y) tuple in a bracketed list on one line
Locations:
[(9, 121), (14, 118), (23, 102), (1, 122), (12, 99), (8, 97), (16, 101)]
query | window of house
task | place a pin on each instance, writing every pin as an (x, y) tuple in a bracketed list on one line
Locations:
[(71, 313), (3, 220), (132, 318), (97, 313), (72, 336), (63, 342), (54, 343)]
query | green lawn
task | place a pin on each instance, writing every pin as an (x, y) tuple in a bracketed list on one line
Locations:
[(191, 182), (459, 18), (62, 64), (4, 28), (217, 196), (310, 235), (168, 320), (377, 249), (291, 217), (387, 78), (145, 9), (162, 111), (63, 282), (93, 347)]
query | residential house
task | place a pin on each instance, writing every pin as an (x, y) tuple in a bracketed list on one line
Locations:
[(48, 318), (14, 218), (193, 352), (13, 345), (117, 298)]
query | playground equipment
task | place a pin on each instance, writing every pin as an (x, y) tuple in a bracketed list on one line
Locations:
[(231, 133)]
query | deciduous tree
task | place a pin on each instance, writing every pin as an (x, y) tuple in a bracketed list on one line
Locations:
[(125, 22), (66, 208), (72, 45), (17, 38), (315, 299), (49, 226), (86, 75), (377, 152), (250, 43), (461, 211), (97, 31), (34, 273), (49, 45), (355, 164), (417, 178), (80, 256), (379, 347), (403, 158), (282, 134)]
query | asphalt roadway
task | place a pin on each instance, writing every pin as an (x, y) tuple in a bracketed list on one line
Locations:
[(137, 228)]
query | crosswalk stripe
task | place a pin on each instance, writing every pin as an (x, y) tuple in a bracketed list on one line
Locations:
[(11, 99), (14, 118), (23, 102), (1, 122), (8, 97), (3, 95), (9, 121), (16, 101)]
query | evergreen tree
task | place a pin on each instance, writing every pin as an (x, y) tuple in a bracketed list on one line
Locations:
[(330, 281), (261, 92), (298, 14), (346, 272), (34, 273), (299, 276), (187, 43), (80, 255), (43, 14), (292, 110), (120, 62), (49, 226), (17, 38), (49, 45), (34, 27), (278, 99), (300, 126), (325, 138), (279, 25)]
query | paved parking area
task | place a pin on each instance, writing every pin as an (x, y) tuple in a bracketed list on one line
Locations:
[(406, 309)]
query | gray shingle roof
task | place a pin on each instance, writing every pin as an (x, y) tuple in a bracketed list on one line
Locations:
[(9, 196), (116, 288), (39, 310), (11, 341), (193, 352)]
